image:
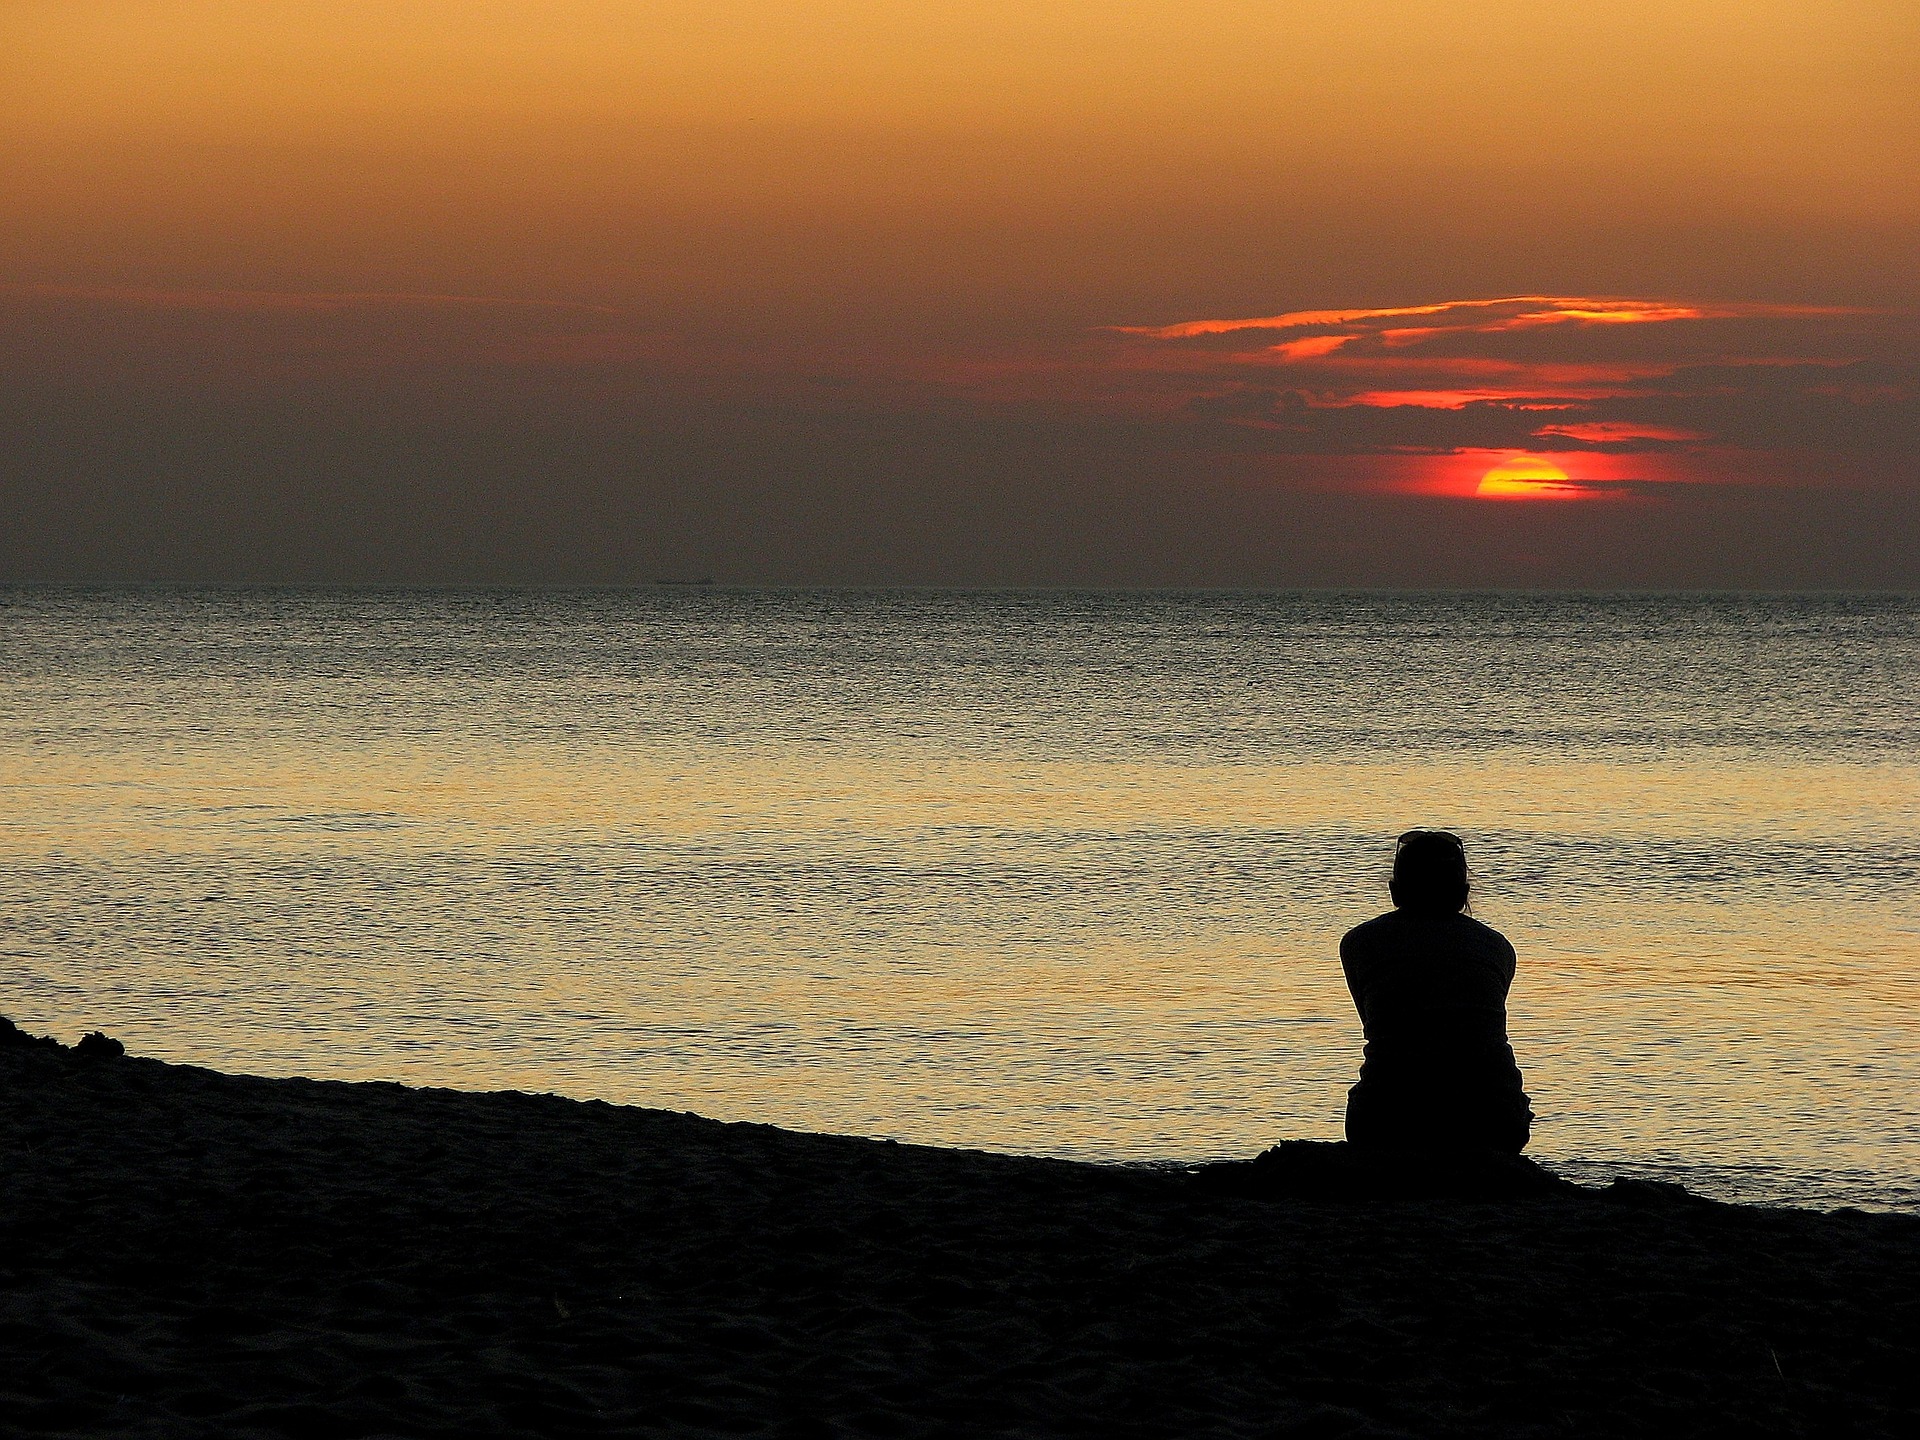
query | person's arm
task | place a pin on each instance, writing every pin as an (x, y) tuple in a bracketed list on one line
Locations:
[(1354, 966)]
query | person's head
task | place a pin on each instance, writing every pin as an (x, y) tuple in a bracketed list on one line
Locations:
[(1429, 872)]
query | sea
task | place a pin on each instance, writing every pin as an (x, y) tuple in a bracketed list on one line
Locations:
[(1042, 871)]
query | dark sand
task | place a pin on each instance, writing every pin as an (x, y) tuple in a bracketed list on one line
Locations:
[(189, 1253)]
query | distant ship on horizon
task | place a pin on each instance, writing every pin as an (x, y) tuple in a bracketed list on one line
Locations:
[(667, 580)]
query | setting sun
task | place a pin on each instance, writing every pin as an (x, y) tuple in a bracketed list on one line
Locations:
[(1526, 477)]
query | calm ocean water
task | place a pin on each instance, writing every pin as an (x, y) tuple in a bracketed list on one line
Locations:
[(1050, 872)]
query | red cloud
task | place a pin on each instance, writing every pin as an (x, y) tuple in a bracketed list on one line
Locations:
[(1619, 430), (1509, 312), (1586, 376)]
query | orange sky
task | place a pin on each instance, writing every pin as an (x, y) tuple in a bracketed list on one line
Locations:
[(943, 238)]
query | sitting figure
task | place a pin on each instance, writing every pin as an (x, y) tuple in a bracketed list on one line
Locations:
[(1430, 983)]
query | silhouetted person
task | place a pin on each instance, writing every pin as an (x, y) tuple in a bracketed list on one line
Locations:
[(1430, 984)]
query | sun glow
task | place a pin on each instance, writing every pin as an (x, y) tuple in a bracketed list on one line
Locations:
[(1526, 477)]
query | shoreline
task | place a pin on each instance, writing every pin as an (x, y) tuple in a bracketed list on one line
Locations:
[(191, 1252)]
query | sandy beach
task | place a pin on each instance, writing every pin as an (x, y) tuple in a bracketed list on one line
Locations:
[(193, 1253)]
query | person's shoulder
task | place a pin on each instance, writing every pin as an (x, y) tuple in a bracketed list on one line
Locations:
[(1370, 934), (1486, 937)]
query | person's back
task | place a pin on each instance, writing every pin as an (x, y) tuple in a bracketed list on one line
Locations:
[(1430, 985)]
